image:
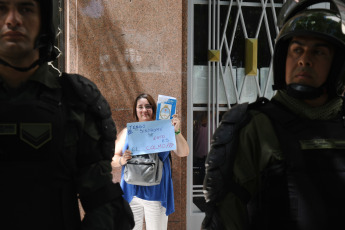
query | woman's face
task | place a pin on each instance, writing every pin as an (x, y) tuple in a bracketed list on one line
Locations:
[(144, 110)]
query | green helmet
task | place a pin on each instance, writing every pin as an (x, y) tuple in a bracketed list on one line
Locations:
[(321, 23)]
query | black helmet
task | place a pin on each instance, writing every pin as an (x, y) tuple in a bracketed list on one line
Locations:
[(320, 23), (45, 40)]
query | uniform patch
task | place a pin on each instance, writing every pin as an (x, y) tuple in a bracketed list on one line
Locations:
[(8, 129), (322, 144), (36, 134)]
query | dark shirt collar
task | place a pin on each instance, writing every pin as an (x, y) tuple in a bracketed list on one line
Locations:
[(45, 75)]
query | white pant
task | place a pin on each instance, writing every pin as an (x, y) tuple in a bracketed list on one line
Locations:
[(153, 211)]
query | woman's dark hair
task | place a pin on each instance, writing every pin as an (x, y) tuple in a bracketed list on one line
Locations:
[(152, 102)]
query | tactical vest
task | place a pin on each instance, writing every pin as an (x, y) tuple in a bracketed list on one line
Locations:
[(34, 179), (306, 191), (37, 170)]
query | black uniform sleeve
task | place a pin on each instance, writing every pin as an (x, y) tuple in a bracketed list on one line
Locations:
[(101, 199)]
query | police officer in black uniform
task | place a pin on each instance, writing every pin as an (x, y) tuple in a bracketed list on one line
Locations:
[(280, 164), (56, 133)]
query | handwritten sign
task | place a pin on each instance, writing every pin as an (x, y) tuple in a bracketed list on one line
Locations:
[(151, 137)]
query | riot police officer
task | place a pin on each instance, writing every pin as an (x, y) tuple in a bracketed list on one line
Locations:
[(279, 164), (56, 133)]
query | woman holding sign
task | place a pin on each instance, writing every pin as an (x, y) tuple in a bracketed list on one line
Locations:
[(153, 201)]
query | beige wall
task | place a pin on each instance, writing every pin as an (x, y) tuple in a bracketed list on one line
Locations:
[(128, 47)]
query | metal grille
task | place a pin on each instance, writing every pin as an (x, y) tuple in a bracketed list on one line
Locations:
[(224, 26), (58, 19)]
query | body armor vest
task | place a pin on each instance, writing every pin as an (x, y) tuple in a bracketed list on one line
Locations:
[(306, 191), (35, 186)]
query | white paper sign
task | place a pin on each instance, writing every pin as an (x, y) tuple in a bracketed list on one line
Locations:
[(151, 137)]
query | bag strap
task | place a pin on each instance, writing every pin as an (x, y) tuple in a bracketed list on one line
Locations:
[(171, 168)]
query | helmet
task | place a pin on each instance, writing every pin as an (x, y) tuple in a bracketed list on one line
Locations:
[(292, 7), (45, 40), (321, 23)]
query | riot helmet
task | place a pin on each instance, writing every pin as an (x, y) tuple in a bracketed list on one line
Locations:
[(45, 40), (320, 23)]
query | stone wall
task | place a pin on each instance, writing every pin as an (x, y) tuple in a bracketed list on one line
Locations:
[(128, 47)]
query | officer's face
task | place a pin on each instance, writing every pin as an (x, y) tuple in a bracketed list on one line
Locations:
[(144, 110), (308, 61), (19, 28)]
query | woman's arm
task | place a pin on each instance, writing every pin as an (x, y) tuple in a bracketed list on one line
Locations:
[(182, 148), (118, 159)]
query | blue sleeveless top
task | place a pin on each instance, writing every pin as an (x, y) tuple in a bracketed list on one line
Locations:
[(163, 192)]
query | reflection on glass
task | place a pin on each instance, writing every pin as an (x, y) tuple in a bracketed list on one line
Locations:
[(201, 140), (200, 149)]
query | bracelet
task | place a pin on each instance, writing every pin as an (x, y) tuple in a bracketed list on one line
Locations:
[(120, 161), (177, 132)]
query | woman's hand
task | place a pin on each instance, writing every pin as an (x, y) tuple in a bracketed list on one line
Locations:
[(127, 155), (176, 123), (182, 148)]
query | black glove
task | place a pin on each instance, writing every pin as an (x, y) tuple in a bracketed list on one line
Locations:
[(212, 220)]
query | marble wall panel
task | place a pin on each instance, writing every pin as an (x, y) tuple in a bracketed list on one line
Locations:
[(128, 47)]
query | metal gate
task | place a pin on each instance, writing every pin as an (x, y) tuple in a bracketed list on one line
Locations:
[(230, 46)]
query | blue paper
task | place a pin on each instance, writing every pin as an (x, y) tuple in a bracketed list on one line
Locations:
[(151, 137)]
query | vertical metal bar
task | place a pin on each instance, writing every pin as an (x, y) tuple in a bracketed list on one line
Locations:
[(257, 84), (190, 64), (269, 76), (219, 66), (214, 97), (209, 71)]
